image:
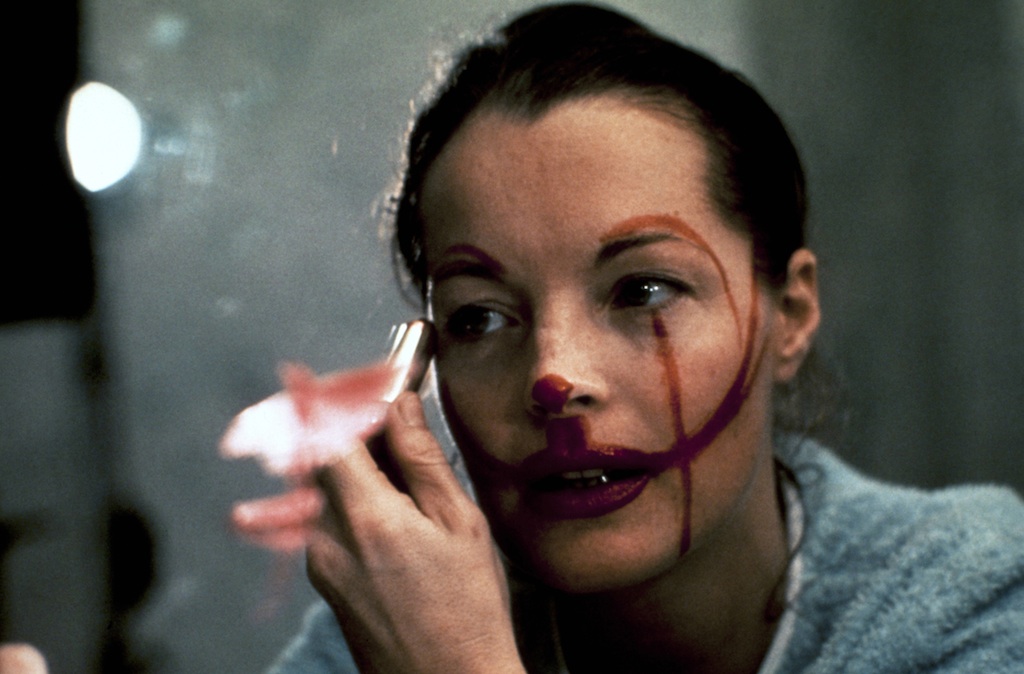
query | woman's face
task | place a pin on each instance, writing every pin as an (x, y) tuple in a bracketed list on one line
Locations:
[(606, 352)]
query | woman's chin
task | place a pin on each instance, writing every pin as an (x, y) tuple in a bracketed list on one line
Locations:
[(581, 562), (632, 544), (574, 575)]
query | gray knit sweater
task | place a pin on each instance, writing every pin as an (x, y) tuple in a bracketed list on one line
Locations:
[(886, 579)]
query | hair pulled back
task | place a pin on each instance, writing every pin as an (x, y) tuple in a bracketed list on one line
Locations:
[(559, 53), (562, 52)]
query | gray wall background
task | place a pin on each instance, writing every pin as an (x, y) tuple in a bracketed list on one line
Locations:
[(246, 236)]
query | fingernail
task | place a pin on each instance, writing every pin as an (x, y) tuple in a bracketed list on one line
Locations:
[(409, 410)]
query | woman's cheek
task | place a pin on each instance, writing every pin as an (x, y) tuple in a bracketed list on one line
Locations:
[(465, 422), (478, 403), (479, 433), (706, 370)]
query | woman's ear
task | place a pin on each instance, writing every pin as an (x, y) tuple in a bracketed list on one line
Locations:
[(798, 314)]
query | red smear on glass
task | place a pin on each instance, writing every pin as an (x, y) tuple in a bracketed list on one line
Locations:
[(313, 422)]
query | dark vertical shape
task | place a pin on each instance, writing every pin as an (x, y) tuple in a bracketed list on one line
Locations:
[(46, 267)]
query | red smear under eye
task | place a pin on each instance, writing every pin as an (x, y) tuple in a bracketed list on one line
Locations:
[(688, 446)]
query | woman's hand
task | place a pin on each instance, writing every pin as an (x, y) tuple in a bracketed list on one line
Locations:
[(413, 578)]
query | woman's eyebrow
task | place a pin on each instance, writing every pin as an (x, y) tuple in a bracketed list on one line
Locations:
[(470, 261), (621, 244), (636, 231)]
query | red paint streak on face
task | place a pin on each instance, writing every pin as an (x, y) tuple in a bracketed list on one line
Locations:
[(657, 221), (552, 393), (680, 456), (687, 447), (668, 362), (739, 390), (569, 444)]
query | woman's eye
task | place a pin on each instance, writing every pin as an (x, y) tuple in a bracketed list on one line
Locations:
[(473, 321), (645, 292)]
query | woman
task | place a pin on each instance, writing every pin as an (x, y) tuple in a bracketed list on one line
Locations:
[(607, 230)]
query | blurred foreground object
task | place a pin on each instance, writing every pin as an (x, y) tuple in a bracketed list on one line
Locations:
[(21, 659)]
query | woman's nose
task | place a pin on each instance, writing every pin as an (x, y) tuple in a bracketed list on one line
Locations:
[(551, 392), (566, 375)]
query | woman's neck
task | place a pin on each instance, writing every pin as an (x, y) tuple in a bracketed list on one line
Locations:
[(710, 612)]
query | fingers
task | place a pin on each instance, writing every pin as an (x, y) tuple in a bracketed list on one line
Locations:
[(421, 460), (281, 523), (356, 486), (409, 574), (302, 504), (353, 482), (288, 540)]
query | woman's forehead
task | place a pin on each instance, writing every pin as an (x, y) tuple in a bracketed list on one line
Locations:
[(583, 167), (591, 151), (600, 120)]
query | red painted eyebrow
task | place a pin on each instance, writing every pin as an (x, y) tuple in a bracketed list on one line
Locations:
[(478, 264), (639, 223)]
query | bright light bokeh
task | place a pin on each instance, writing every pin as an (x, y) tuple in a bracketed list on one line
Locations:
[(104, 136)]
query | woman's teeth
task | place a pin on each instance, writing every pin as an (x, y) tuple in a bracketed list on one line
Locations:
[(581, 479)]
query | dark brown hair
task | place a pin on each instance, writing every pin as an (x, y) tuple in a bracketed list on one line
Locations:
[(557, 53)]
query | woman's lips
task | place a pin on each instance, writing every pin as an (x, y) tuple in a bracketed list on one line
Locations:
[(592, 500), (572, 478)]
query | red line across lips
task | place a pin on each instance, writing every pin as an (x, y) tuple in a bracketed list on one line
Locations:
[(568, 451), (592, 501)]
